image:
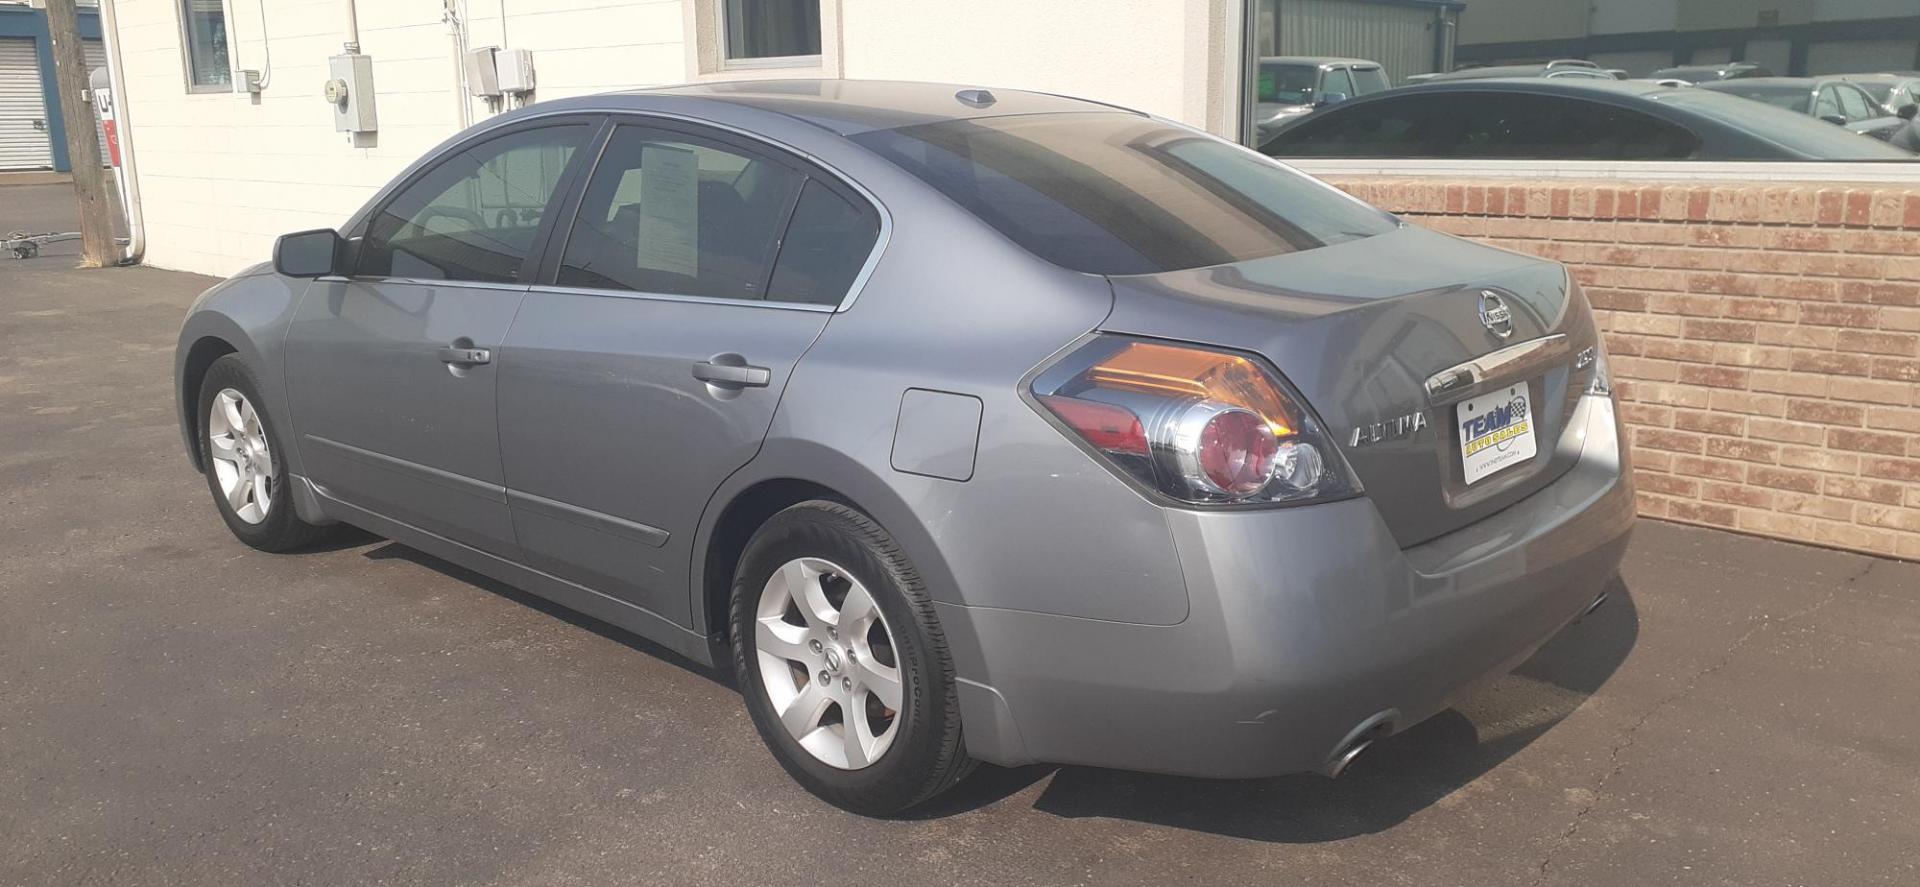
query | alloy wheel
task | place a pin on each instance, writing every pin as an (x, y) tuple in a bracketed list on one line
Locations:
[(827, 660), (242, 458)]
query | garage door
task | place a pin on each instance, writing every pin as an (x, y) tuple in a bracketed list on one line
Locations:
[(23, 108), (97, 61)]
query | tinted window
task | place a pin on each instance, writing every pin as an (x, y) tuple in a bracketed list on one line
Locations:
[(1825, 105), (1783, 130), (475, 215), (1485, 125), (1120, 194), (827, 244), (666, 212), (1337, 81), (1854, 103), (1369, 80), (1287, 84)]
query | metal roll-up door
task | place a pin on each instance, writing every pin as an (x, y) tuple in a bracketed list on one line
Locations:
[(23, 108), (97, 61)]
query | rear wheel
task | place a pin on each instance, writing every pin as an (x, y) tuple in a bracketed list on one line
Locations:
[(842, 663), (242, 450)]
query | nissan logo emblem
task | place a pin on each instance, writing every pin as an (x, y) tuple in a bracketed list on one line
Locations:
[(1495, 315)]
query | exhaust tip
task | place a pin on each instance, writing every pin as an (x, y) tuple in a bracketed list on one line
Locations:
[(1343, 760)]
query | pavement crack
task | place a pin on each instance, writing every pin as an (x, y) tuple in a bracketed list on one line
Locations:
[(1620, 746)]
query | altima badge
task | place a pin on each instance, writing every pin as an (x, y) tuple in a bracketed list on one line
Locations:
[(1395, 428), (1495, 315)]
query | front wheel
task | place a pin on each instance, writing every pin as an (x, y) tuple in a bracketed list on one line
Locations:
[(243, 451), (842, 662)]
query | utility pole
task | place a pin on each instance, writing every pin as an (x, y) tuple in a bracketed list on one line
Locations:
[(83, 151)]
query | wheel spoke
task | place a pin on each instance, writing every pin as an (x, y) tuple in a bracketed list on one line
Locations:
[(777, 637), (263, 457), (237, 494), (230, 413), (221, 447), (859, 739), (883, 681), (803, 713), (803, 584), (857, 610)]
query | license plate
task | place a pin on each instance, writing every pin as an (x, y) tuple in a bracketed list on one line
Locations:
[(1496, 431)]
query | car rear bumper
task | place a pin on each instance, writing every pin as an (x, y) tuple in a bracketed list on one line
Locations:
[(1307, 627)]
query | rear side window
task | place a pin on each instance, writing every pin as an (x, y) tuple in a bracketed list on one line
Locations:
[(1369, 80), (474, 216), (1485, 125), (1107, 193), (827, 244), (666, 212)]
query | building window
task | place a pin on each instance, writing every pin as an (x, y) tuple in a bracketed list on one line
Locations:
[(203, 37), (770, 31)]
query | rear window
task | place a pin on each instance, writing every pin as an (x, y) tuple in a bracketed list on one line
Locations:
[(1107, 193)]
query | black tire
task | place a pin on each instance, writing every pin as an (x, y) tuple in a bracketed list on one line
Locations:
[(927, 755), (282, 530)]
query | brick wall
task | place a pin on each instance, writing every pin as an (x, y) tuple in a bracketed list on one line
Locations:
[(1765, 339)]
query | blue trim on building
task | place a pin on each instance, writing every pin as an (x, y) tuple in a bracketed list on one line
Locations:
[(25, 21)]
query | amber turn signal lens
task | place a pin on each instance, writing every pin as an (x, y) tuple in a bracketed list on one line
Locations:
[(1172, 371)]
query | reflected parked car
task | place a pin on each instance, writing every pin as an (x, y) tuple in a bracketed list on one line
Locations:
[(1830, 99), (1711, 73), (956, 425), (1541, 119), (1894, 90), (1290, 86)]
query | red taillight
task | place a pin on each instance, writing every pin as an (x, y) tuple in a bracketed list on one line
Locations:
[(1201, 425), (1107, 427), (1236, 451)]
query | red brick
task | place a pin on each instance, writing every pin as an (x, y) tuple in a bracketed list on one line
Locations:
[(1702, 513), (1898, 344), (1667, 484), (1899, 369), (1876, 292), (1678, 349), (1815, 506), (1907, 470), (1894, 419), (1743, 450), (1867, 441), (1819, 460), (1747, 402), (1831, 363), (1713, 376), (1897, 394), (1786, 432), (1710, 423), (1903, 519), (1761, 309), (1662, 439), (1647, 415), (1695, 466), (1784, 479), (1825, 412), (1735, 494), (1840, 315), (1865, 490), (1719, 330)]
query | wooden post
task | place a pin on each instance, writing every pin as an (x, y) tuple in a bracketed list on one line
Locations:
[(83, 150)]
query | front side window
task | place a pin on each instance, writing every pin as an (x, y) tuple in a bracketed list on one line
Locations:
[(1854, 104), (771, 29), (473, 217), (1338, 83), (203, 26), (1369, 80), (1827, 104), (1284, 84), (1107, 193), (672, 213)]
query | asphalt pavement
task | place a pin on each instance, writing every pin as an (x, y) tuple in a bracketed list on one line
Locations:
[(176, 708)]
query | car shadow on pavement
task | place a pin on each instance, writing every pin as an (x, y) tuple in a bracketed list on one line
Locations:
[(1397, 778)]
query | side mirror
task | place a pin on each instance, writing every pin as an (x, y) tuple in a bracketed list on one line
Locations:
[(1834, 119), (1331, 98), (1906, 111), (313, 253)]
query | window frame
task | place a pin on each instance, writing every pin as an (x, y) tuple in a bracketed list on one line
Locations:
[(553, 241), (727, 62), (355, 231), (180, 15)]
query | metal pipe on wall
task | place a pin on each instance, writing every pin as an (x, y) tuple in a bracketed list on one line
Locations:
[(353, 28), (128, 174)]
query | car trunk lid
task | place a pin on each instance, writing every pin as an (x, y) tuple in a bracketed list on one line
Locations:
[(1359, 328)]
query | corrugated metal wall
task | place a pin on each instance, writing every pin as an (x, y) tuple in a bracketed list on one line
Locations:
[(1400, 38)]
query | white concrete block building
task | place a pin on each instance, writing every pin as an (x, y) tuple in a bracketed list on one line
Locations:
[(224, 168)]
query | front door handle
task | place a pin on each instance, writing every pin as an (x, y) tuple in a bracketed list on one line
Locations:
[(465, 357), (726, 375)]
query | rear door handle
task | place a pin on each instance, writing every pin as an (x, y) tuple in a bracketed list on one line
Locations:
[(465, 357), (732, 376)]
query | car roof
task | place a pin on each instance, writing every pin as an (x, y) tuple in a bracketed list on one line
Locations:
[(1544, 85), (1315, 60), (849, 107), (1804, 82)]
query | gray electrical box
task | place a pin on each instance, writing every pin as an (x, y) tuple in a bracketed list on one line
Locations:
[(350, 91), (483, 76)]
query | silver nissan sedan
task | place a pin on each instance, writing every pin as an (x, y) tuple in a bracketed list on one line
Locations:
[(962, 425)]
